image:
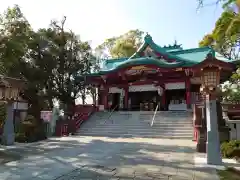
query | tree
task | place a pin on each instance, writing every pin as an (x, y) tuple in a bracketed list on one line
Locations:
[(49, 59), (121, 46), (226, 3), (14, 37), (92, 89), (225, 36), (69, 58)]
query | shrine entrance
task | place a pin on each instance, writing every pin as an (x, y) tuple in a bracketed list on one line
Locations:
[(143, 100), (176, 99), (115, 101)]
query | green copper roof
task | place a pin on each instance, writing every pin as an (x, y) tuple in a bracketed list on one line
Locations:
[(198, 54), (150, 61), (183, 58)]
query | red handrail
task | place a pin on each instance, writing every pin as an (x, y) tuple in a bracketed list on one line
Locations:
[(82, 113)]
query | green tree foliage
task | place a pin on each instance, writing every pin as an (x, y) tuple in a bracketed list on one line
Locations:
[(14, 37), (50, 59), (225, 3), (121, 46), (225, 36)]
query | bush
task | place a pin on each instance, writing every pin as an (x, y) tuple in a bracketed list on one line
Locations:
[(20, 137), (30, 130), (231, 149)]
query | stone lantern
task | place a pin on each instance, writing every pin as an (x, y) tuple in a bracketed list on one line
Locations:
[(210, 77), (210, 71), (9, 93)]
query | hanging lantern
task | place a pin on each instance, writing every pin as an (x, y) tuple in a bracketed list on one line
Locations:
[(210, 77)]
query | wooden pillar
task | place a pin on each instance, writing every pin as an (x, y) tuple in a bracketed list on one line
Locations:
[(188, 93), (105, 97), (126, 98)]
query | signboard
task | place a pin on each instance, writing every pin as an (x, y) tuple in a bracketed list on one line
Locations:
[(20, 106), (177, 85), (142, 68), (147, 87), (139, 69), (46, 116), (115, 90)]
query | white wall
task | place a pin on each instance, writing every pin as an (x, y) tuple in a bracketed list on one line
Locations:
[(235, 130)]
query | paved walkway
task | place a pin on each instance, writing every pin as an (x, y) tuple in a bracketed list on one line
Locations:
[(73, 158)]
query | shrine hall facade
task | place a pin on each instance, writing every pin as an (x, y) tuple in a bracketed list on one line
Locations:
[(155, 77)]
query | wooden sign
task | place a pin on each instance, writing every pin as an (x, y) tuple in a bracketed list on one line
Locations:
[(142, 68), (46, 116)]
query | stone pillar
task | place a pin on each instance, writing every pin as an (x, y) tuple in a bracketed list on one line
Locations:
[(8, 137), (213, 144), (200, 128), (188, 93), (126, 98)]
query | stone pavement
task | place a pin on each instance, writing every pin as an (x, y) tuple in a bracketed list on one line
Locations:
[(102, 158)]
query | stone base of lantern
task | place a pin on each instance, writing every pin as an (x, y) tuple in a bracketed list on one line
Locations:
[(201, 141), (8, 137)]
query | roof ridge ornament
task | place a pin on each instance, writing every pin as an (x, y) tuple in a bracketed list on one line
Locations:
[(148, 37), (210, 56)]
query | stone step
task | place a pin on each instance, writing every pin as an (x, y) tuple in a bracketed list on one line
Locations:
[(114, 125), (141, 128), (137, 124), (117, 121), (135, 132), (139, 136)]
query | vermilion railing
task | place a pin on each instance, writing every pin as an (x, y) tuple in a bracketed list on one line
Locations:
[(82, 113)]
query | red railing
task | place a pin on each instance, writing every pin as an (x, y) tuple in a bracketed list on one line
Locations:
[(82, 113)]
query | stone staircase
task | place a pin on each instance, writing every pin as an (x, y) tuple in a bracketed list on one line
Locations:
[(167, 124)]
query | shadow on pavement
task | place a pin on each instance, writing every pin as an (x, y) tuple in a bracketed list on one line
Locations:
[(104, 156)]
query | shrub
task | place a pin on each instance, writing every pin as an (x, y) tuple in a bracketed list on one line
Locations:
[(231, 149), (20, 137), (30, 130)]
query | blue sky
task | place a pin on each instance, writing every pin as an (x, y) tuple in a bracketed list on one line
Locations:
[(96, 20)]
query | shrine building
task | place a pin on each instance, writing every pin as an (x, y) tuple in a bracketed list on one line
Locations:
[(164, 77)]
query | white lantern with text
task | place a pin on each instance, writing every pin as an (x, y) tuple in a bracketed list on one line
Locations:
[(210, 78)]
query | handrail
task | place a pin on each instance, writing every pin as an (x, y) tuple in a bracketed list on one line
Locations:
[(110, 113), (154, 115)]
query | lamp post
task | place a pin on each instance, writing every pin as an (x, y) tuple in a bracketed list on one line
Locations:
[(210, 77), (9, 93)]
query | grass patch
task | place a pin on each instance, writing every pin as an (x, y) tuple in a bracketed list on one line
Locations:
[(229, 174)]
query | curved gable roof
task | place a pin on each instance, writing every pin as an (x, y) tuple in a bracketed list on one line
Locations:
[(183, 58), (149, 42)]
